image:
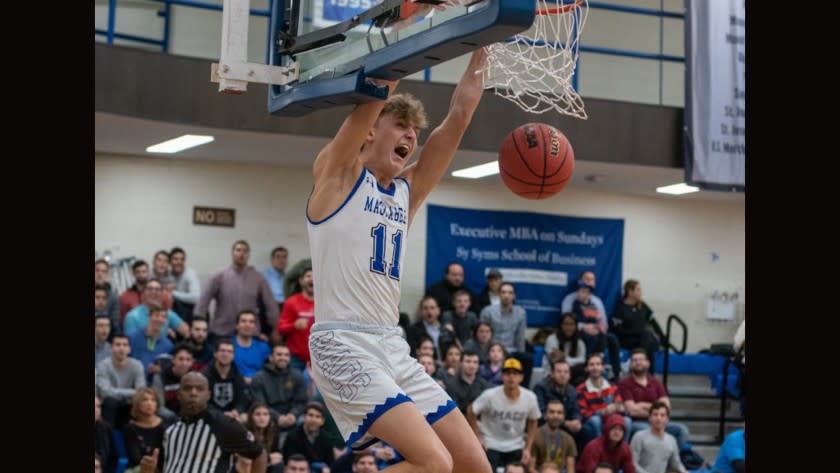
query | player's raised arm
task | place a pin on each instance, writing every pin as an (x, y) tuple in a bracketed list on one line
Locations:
[(343, 150), (337, 166), (444, 140)]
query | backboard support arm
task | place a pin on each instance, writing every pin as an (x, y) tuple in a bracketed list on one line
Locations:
[(233, 71)]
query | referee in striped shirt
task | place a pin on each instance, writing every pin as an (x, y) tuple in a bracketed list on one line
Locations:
[(202, 441)]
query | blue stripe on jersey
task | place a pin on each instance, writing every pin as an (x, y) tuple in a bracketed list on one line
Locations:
[(349, 196), (391, 190), (406, 183)]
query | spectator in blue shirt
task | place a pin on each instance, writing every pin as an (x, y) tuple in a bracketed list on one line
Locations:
[(249, 352), (276, 272), (732, 457), (150, 343)]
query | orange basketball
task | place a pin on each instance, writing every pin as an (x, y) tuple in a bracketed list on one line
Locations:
[(536, 161)]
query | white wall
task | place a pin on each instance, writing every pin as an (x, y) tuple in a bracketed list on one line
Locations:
[(192, 31), (145, 204), (197, 32)]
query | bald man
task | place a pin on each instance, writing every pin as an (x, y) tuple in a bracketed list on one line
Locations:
[(224, 437)]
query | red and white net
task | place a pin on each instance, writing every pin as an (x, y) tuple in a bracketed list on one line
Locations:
[(535, 69)]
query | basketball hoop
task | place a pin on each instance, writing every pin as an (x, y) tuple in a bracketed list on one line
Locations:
[(534, 69)]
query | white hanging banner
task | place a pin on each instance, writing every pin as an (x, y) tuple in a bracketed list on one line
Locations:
[(715, 107)]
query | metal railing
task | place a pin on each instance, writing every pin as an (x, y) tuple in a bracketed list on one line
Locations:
[(724, 389), (669, 345), (728, 352), (717, 349)]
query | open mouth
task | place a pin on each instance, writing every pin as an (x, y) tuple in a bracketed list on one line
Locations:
[(402, 150)]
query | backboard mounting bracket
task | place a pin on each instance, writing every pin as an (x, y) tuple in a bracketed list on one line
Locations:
[(299, 85), (233, 71), (233, 77)]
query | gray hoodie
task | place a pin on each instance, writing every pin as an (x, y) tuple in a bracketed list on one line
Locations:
[(283, 390)]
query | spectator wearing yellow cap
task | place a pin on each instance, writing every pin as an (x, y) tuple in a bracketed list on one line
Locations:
[(498, 417)]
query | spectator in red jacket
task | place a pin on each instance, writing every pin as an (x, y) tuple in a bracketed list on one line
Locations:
[(609, 447), (296, 320)]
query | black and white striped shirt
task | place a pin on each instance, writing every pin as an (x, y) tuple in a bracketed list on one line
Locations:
[(204, 444)]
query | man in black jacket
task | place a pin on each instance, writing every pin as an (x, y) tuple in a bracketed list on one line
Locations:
[(228, 393), (309, 440), (444, 290), (204, 441)]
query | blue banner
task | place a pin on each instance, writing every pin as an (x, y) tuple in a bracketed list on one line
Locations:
[(329, 12), (340, 10), (541, 254)]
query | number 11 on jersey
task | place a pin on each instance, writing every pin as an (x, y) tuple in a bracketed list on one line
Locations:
[(377, 262)]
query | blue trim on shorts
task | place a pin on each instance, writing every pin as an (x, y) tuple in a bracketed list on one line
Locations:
[(433, 417), (372, 417), (365, 445)]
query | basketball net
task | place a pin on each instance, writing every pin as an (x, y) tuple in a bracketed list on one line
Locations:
[(534, 69)]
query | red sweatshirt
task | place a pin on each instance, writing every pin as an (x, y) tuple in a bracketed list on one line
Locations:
[(297, 307), (597, 450)]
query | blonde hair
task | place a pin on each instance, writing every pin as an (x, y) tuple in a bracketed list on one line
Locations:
[(407, 107)]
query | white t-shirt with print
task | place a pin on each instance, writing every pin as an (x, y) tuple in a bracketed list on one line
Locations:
[(503, 422)]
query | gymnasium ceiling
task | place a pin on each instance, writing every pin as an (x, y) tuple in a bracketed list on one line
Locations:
[(119, 134)]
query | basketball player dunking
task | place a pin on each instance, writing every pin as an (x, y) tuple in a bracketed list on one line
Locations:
[(359, 212)]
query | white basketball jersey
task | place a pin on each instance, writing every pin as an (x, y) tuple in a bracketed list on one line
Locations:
[(357, 254)]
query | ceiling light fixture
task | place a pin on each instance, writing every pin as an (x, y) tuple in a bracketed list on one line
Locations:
[(677, 189), (179, 144), (476, 172)]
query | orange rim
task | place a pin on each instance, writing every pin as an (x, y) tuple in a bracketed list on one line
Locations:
[(559, 10)]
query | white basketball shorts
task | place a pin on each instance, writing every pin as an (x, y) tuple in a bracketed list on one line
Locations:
[(362, 371)]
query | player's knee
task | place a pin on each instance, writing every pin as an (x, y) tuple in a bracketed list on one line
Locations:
[(477, 463), (471, 459), (440, 462)]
